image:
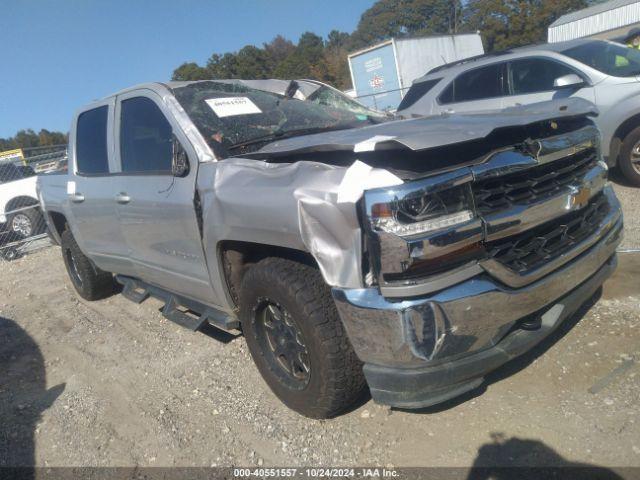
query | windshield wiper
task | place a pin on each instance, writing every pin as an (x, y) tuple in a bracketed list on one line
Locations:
[(277, 135)]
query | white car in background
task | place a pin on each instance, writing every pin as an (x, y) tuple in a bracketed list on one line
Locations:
[(17, 194)]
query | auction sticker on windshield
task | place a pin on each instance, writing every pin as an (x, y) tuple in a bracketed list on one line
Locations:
[(230, 106)]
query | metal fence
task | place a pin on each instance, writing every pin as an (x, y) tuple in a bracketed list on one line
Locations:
[(24, 230)]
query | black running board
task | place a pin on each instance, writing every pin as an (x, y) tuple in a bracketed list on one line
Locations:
[(181, 310)]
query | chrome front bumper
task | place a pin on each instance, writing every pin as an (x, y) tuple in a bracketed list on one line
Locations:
[(441, 332)]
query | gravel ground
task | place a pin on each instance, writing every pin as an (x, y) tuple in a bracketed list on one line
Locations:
[(112, 383)]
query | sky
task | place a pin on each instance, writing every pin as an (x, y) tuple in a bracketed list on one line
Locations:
[(58, 55)]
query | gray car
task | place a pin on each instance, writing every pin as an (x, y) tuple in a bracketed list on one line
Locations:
[(605, 73)]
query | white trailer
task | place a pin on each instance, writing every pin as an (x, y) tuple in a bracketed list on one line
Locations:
[(381, 74)]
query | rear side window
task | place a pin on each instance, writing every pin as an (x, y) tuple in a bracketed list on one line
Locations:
[(532, 75), (476, 84), (416, 92), (91, 141), (145, 137)]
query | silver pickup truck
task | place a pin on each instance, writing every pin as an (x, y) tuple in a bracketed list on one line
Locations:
[(351, 249)]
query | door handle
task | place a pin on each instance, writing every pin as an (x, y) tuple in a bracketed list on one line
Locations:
[(123, 198), (76, 197), (449, 110)]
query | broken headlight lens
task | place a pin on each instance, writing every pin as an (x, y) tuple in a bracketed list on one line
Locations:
[(419, 213)]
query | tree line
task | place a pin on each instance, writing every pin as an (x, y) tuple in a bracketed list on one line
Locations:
[(503, 24), (28, 138)]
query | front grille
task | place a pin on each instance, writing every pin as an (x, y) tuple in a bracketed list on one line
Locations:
[(540, 245), (533, 184)]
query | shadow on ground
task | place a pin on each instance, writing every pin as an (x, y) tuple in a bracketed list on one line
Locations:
[(23, 394), (523, 458)]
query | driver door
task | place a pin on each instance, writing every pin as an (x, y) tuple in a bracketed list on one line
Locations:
[(156, 210)]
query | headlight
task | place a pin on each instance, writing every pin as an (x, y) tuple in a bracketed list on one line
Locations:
[(422, 227), (419, 213)]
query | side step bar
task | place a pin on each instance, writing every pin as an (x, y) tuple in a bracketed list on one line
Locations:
[(183, 311)]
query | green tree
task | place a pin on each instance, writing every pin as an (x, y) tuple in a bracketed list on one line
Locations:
[(26, 138), (45, 138), (190, 71), (511, 23), (306, 57), (223, 66), (334, 67), (253, 62), (397, 18), (29, 138), (279, 48)]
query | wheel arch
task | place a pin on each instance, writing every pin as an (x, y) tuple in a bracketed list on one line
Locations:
[(235, 257), (57, 224), (619, 135), (19, 202)]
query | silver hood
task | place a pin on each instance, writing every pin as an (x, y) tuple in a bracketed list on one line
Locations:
[(426, 132)]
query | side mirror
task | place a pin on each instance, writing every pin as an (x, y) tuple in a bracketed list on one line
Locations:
[(570, 80), (179, 159)]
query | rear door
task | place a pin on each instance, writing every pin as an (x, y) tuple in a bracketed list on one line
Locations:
[(476, 90), (94, 221), (156, 209), (531, 80)]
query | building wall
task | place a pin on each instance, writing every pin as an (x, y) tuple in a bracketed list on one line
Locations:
[(618, 33), (598, 23)]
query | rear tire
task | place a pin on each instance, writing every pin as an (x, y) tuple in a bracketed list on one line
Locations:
[(89, 281), (287, 307), (629, 158)]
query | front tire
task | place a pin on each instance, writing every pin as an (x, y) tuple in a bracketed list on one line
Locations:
[(89, 281), (297, 340), (629, 159)]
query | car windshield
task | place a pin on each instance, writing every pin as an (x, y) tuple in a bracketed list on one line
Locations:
[(236, 119), (609, 58), (331, 97)]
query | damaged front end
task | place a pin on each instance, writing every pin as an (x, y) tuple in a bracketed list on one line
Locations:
[(472, 267), (451, 244)]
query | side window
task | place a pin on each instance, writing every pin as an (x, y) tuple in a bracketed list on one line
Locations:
[(532, 75), (145, 137), (477, 84), (91, 141), (416, 92)]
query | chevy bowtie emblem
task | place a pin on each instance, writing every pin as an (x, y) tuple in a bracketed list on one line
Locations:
[(580, 196)]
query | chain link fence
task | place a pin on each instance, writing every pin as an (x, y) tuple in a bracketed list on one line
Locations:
[(22, 224), (23, 229)]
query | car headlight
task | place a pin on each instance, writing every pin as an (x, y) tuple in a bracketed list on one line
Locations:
[(422, 227), (419, 213)]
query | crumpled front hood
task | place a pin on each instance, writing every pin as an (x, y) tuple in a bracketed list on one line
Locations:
[(427, 132)]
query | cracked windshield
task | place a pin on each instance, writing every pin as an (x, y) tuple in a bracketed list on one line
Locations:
[(236, 119)]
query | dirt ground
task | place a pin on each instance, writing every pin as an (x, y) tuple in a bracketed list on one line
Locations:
[(113, 383)]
